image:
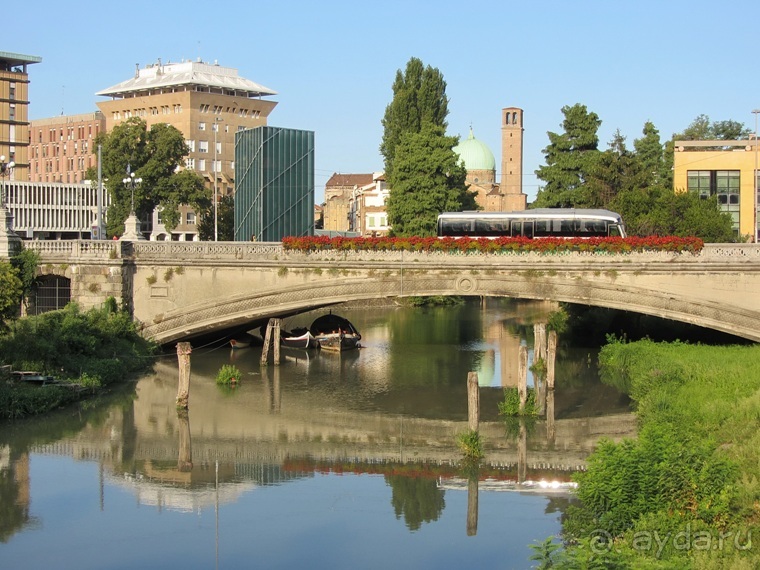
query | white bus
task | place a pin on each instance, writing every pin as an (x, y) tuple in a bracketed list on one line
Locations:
[(538, 223)]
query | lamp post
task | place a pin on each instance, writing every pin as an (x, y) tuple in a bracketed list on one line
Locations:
[(130, 182), (217, 120), (754, 199), (5, 171)]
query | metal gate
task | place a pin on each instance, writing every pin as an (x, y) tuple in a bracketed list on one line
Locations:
[(52, 292)]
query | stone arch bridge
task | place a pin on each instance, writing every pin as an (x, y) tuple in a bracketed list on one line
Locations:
[(184, 290)]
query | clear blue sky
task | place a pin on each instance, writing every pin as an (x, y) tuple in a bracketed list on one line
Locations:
[(333, 62)]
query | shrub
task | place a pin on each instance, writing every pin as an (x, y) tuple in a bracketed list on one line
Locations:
[(228, 375)]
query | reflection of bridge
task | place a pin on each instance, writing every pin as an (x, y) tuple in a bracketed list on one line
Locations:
[(255, 429), (181, 290)]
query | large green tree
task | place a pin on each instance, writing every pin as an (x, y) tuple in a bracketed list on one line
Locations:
[(419, 99), (11, 289), (156, 156), (430, 179), (570, 158)]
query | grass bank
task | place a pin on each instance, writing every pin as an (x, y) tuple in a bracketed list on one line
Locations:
[(685, 493), (84, 350)]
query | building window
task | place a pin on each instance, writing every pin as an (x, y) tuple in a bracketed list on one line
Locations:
[(201, 165), (202, 146), (12, 91), (201, 126), (698, 181), (727, 187), (191, 218)]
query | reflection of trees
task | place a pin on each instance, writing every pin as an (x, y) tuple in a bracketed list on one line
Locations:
[(418, 499)]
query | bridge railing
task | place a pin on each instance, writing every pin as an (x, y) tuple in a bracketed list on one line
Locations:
[(200, 251)]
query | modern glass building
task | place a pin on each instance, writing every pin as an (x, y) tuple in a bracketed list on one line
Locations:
[(274, 183)]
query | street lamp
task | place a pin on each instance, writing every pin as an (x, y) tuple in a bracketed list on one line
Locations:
[(217, 120), (5, 170), (130, 181), (755, 112)]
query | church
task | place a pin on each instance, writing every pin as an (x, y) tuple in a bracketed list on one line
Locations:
[(492, 196)]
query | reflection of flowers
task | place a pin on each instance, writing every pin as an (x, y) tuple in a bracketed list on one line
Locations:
[(496, 245)]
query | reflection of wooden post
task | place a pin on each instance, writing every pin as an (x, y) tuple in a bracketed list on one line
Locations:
[(472, 507), (539, 341), (522, 452), (185, 460), (276, 390), (473, 401), (271, 337), (522, 377), (550, 429), (551, 355), (183, 389)]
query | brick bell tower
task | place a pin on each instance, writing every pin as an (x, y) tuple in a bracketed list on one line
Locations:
[(513, 197)]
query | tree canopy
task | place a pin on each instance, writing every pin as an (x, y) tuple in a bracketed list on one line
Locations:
[(419, 99), (225, 221), (569, 160), (430, 179), (155, 156)]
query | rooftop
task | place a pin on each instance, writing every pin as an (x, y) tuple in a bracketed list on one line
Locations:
[(158, 76)]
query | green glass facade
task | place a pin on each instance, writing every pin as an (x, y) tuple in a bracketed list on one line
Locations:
[(274, 183)]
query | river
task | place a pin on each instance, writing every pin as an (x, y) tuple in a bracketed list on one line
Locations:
[(324, 461)]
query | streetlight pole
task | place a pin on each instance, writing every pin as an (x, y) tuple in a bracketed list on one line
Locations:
[(130, 182), (5, 171), (217, 120), (754, 198)]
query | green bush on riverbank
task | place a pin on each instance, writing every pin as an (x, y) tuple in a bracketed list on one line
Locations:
[(92, 349), (685, 493)]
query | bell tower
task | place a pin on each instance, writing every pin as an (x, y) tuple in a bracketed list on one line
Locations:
[(511, 186)]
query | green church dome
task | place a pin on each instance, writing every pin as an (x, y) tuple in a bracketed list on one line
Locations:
[(475, 154)]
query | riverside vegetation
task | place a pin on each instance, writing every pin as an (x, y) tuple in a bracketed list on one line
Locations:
[(87, 350), (686, 492)]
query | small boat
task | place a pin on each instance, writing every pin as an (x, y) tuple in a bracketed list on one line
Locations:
[(236, 343), (335, 333), (243, 341), (298, 338)]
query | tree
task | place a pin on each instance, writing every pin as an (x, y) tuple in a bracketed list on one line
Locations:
[(702, 129), (155, 156), (650, 154), (419, 99), (660, 211), (225, 221), (569, 158), (429, 179), (11, 290)]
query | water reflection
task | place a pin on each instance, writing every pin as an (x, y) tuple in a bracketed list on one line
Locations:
[(392, 409)]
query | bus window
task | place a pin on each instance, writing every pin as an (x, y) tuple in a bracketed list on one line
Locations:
[(516, 229), (454, 228), (542, 228), (493, 227), (528, 229), (614, 230)]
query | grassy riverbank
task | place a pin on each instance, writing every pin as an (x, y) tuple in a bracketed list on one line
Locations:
[(83, 351), (686, 492)]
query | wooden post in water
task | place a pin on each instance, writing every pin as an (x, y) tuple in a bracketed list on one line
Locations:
[(271, 337), (539, 341), (522, 377), (183, 389), (473, 401), (551, 355)]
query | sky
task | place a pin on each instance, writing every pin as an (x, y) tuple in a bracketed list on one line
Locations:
[(333, 62)]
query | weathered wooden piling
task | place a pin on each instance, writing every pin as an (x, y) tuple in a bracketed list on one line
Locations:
[(551, 355), (183, 388), (473, 401), (271, 338)]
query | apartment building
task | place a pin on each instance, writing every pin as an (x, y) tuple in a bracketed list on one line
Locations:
[(14, 111), (61, 149), (207, 102)]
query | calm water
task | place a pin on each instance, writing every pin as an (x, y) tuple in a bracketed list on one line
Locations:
[(326, 461)]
